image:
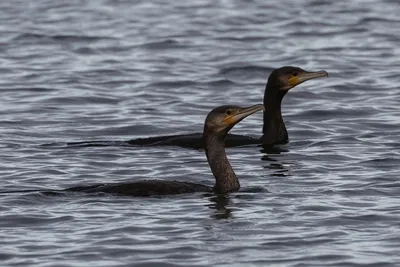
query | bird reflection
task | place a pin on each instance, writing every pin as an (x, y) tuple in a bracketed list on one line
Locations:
[(278, 169), (219, 204), (272, 149)]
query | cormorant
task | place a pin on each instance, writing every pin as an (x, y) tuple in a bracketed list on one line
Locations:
[(217, 125), (280, 81)]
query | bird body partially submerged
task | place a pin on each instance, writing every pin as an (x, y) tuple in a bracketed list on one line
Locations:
[(280, 81), (192, 141), (217, 125), (144, 188)]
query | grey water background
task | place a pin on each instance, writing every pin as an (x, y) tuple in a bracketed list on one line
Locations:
[(118, 70)]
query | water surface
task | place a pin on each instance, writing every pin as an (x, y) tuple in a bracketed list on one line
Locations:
[(118, 70)]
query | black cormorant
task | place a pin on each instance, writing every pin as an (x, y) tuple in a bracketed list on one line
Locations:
[(280, 81), (217, 125)]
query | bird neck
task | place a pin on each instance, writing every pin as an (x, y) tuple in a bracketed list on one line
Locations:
[(274, 130), (225, 178)]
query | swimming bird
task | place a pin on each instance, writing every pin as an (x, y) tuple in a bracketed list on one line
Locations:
[(280, 81), (216, 127)]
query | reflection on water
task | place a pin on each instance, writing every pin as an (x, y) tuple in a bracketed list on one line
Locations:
[(274, 149), (277, 168), (219, 204)]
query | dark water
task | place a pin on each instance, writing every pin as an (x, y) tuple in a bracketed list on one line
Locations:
[(117, 70)]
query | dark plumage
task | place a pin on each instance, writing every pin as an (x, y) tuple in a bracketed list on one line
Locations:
[(144, 188), (217, 125), (280, 81)]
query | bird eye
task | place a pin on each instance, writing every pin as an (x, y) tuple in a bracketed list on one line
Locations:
[(229, 112), (295, 74)]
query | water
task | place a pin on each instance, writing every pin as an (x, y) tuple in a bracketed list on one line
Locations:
[(118, 70)]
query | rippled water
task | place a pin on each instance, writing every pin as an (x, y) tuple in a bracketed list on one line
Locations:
[(118, 70)]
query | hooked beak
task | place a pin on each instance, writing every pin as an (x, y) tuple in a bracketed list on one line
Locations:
[(305, 76), (243, 113)]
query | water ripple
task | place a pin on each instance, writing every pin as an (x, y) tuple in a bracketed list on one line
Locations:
[(110, 71)]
